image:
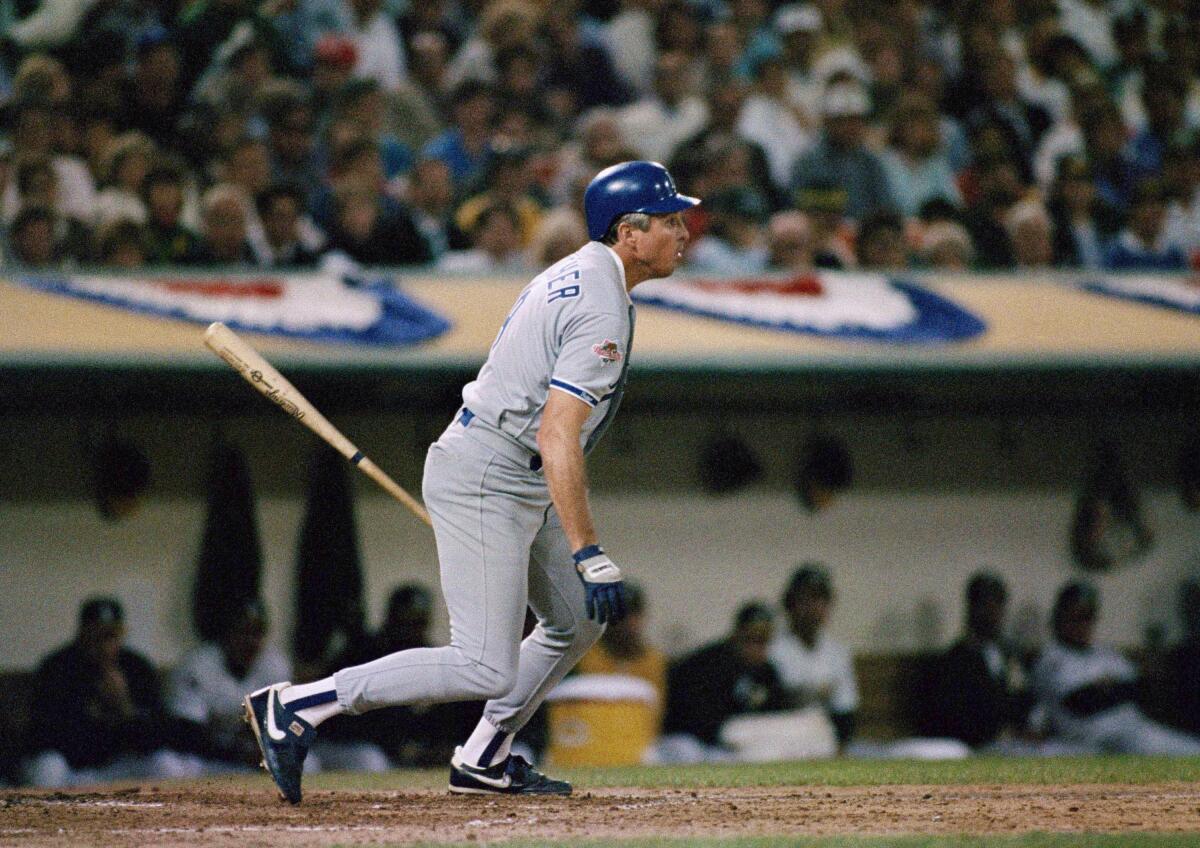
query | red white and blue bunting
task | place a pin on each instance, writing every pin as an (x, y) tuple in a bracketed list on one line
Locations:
[(1172, 292), (320, 307), (846, 305)]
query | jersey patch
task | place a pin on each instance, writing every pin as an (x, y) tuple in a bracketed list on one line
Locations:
[(608, 351)]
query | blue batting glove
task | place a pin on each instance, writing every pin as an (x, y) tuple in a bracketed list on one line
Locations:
[(605, 593)]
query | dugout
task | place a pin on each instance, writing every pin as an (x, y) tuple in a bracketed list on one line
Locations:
[(966, 455)]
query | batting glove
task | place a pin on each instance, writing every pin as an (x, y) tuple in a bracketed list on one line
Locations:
[(602, 584)]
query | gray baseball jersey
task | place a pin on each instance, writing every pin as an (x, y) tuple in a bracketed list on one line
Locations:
[(501, 545), (570, 330)]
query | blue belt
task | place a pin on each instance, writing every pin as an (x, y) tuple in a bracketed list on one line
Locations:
[(465, 418)]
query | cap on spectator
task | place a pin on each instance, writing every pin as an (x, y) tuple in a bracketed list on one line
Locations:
[(985, 586), (798, 17), (823, 198), (101, 610), (809, 577), (845, 100), (336, 50), (1074, 168), (151, 38), (1148, 191), (753, 612)]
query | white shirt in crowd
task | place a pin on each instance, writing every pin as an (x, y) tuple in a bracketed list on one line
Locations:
[(654, 129), (822, 675), (202, 689)]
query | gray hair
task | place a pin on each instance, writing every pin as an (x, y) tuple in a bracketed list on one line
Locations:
[(637, 220)]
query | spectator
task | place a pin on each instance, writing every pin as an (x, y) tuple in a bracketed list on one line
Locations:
[(280, 208), (32, 134), (1183, 663), (431, 199), (39, 238), (374, 230), (380, 52), (832, 234), (789, 243), (1091, 22), (841, 155), (208, 683), (815, 669), (724, 679), (496, 245), (629, 35), (735, 243), (362, 104), (978, 697), (946, 246), (152, 94), (1082, 222), (37, 185), (1165, 94), (466, 145), (127, 161), (596, 145), (1181, 181), (290, 140), (502, 25), (916, 162), (1020, 123), (334, 58), (1105, 147), (1032, 235), (168, 241), (509, 181), (561, 233), (1087, 693), (578, 66), (121, 244), (800, 27), (880, 245), (657, 123), (770, 119), (223, 229), (413, 735), (998, 186), (97, 712), (1142, 245)]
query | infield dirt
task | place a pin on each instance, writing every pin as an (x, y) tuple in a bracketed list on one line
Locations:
[(214, 814)]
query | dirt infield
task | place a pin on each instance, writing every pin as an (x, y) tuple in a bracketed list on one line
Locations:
[(219, 815)]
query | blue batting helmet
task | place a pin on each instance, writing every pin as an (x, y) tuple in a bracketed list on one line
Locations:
[(630, 187)]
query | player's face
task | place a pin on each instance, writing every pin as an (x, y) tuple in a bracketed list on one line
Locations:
[(660, 248)]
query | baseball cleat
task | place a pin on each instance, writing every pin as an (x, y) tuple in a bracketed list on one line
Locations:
[(283, 738), (513, 776)]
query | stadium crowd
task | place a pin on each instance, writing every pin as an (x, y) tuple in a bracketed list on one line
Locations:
[(882, 134)]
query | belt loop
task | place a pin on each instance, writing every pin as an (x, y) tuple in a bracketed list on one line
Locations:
[(465, 418), (535, 462)]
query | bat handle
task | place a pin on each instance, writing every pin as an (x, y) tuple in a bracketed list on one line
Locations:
[(377, 474)]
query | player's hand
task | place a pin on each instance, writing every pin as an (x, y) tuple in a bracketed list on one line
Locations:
[(605, 592)]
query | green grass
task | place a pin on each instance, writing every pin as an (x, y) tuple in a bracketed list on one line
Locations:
[(1012, 770), (1031, 840)]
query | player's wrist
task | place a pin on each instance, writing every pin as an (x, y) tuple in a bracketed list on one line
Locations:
[(587, 552)]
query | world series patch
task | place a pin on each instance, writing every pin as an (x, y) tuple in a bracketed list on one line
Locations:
[(607, 351)]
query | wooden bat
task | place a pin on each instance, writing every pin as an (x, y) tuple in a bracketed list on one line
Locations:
[(259, 373)]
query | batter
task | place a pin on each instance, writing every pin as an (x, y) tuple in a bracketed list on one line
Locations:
[(506, 488)]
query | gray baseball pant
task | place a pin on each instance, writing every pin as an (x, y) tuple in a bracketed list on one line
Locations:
[(501, 548)]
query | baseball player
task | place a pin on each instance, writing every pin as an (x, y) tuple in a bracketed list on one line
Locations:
[(506, 487)]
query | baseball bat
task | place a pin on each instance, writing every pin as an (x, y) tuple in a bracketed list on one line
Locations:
[(245, 360)]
